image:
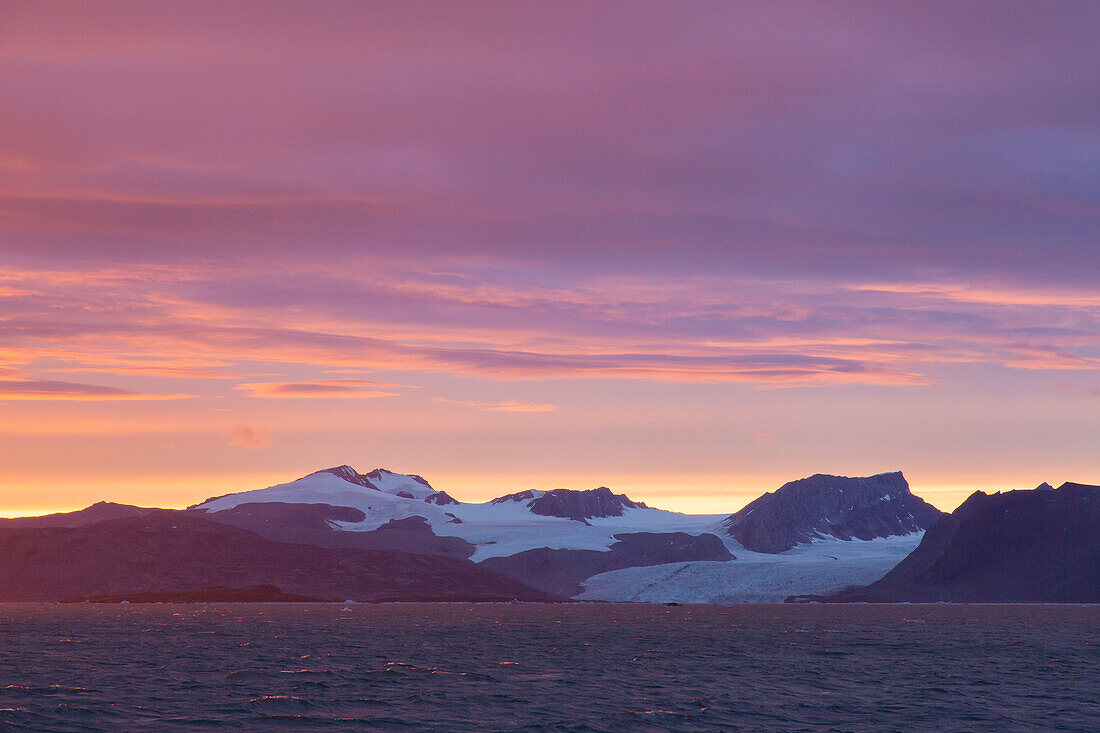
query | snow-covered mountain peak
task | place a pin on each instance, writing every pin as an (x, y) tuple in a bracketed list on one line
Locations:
[(801, 512), (381, 493), (408, 486), (349, 474)]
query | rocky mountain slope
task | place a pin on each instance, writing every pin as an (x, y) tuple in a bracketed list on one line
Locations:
[(1038, 546), (830, 506), (98, 512), (172, 552)]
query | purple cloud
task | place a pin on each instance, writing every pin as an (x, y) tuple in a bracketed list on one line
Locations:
[(857, 140)]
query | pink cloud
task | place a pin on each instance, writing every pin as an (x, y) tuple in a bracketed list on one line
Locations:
[(247, 436), (200, 323), (174, 372), (321, 388)]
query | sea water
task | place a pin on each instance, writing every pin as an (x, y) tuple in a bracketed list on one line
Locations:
[(592, 667)]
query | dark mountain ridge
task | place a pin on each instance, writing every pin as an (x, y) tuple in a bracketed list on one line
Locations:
[(1037, 546), (174, 552), (98, 512)]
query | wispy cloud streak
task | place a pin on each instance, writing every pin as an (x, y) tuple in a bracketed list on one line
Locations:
[(207, 325), (39, 389), (321, 388), (505, 406)]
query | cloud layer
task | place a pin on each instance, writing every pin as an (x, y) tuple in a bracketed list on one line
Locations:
[(538, 208), (49, 389)]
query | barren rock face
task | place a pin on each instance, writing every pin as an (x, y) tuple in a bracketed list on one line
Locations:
[(831, 506), (352, 476), (263, 516), (573, 504), (315, 524), (98, 512), (1039, 546)]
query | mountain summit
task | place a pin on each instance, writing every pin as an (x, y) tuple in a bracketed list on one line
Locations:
[(322, 487), (573, 504), (407, 486), (830, 506)]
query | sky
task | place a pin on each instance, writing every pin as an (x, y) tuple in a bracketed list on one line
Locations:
[(690, 251)]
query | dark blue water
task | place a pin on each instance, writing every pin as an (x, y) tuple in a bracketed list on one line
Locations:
[(555, 668)]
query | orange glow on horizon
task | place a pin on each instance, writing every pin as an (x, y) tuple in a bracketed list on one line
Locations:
[(718, 495)]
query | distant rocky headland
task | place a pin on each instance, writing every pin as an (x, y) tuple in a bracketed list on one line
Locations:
[(1038, 546)]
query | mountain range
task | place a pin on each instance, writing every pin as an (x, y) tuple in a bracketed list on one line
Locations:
[(337, 534)]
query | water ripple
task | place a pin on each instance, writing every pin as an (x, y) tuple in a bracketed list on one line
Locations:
[(601, 667)]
